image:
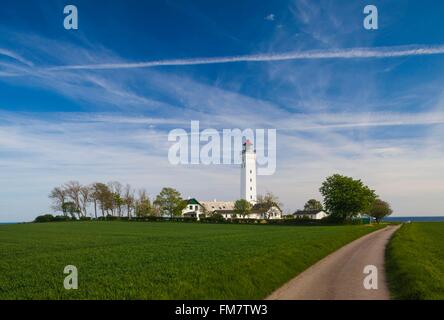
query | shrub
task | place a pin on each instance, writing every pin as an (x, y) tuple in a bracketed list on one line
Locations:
[(215, 218), (61, 219), (44, 218), (183, 219), (149, 219), (112, 218)]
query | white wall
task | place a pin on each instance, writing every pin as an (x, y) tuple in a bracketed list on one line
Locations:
[(248, 175)]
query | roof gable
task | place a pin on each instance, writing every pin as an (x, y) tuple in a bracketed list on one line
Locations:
[(193, 201)]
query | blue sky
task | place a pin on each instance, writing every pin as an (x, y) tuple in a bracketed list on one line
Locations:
[(376, 118)]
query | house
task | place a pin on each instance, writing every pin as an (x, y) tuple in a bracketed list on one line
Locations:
[(265, 211), (224, 208), (310, 214), (195, 209), (258, 211)]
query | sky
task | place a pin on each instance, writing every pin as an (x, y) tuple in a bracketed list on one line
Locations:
[(97, 103)]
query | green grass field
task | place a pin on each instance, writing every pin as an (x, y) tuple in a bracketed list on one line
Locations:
[(415, 262), (121, 260)]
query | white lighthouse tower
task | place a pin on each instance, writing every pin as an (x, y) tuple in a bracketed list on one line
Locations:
[(248, 173)]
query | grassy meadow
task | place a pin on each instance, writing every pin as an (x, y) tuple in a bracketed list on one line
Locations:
[(415, 262), (121, 260)]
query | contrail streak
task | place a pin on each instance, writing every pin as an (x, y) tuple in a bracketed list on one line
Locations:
[(10, 54), (352, 53)]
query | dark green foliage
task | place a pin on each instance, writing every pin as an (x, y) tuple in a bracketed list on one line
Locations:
[(242, 207), (143, 208), (313, 204), (345, 197), (62, 219), (70, 208), (112, 218), (170, 202), (379, 210), (44, 218)]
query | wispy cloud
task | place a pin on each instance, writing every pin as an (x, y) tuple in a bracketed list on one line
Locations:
[(352, 53), (127, 147), (15, 56), (335, 121), (348, 133), (270, 17)]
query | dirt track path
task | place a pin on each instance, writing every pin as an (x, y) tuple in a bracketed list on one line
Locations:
[(340, 276)]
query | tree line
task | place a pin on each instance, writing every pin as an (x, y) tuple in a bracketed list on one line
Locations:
[(343, 198), (113, 199)]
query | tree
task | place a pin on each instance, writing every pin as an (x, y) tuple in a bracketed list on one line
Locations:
[(72, 190), (85, 198), (118, 203), (268, 200), (379, 210), (143, 204), (104, 196), (58, 196), (313, 204), (170, 202), (115, 188), (242, 207), (345, 197), (71, 208), (128, 199), (95, 196)]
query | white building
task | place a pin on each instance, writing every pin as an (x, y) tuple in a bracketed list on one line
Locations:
[(248, 173), (310, 214), (193, 209), (196, 209)]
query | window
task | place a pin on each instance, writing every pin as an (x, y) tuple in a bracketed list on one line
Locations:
[(196, 208), (251, 188), (251, 197), (251, 180), (251, 171)]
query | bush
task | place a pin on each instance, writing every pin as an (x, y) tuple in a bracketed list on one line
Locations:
[(183, 219), (215, 218), (44, 218), (149, 219), (85, 219), (112, 218), (61, 219)]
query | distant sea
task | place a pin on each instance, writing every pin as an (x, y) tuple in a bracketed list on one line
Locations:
[(414, 219)]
